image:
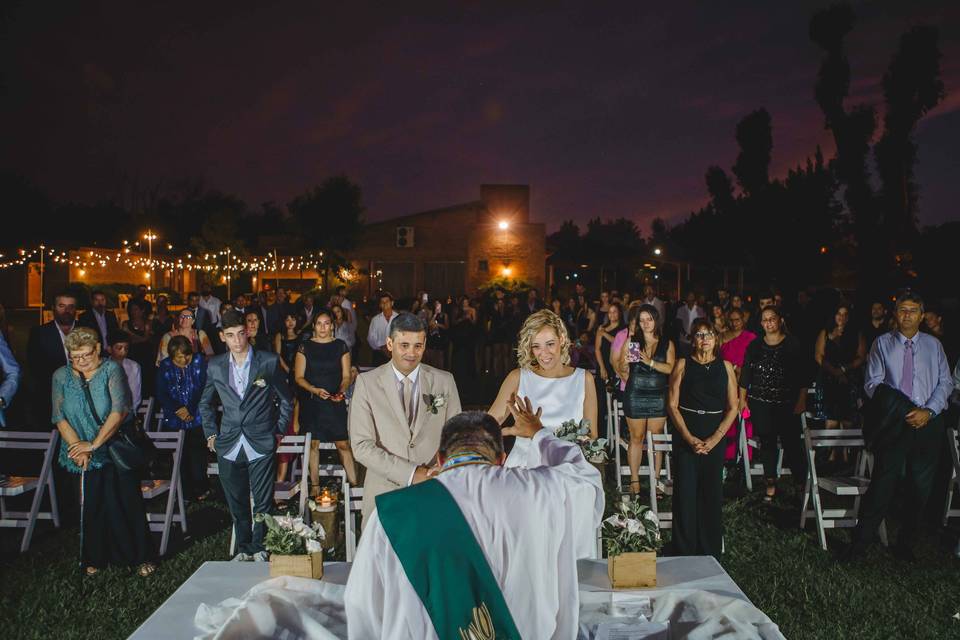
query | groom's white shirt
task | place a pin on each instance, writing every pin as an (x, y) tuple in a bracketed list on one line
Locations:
[(532, 524)]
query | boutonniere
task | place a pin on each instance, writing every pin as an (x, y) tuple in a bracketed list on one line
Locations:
[(435, 403), (260, 382)]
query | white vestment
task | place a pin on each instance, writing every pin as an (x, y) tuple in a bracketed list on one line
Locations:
[(532, 524)]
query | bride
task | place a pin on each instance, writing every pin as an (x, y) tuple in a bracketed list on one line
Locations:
[(544, 375)]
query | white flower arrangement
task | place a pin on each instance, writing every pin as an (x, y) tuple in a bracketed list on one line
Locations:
[(593, 450), (435, 402), (290, 535), (633, 528), (260, 382)]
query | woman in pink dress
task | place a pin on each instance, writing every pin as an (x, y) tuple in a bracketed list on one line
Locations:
[(733, 350)]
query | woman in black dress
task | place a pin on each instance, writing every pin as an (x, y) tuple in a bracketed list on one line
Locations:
[(702, 406), (840, 351), (286, 343), (322, 371), (772, 388), (644, 360)]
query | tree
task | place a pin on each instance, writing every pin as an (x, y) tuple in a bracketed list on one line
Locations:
[(755, 137), (330, 217)]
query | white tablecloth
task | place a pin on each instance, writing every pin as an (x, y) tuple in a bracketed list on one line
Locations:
[(693, 594)]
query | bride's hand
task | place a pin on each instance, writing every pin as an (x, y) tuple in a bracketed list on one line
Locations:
[(526, 421)]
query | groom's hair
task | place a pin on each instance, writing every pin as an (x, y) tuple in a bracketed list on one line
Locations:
[(406, 321), (475, 431)]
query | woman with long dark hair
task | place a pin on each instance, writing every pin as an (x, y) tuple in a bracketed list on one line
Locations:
[(644, 360), (773, 390), (840, 351)]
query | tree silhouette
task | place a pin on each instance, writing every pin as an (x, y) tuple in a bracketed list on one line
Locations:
[(755, 137)]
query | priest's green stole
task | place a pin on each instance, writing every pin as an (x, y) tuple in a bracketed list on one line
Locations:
[(445, 564)]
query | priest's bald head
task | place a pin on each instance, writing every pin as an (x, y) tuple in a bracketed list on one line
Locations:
[(474, 432)]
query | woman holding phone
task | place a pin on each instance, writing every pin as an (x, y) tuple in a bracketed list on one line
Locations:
[(643, 360)]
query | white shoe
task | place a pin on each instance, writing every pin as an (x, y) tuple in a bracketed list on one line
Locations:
[(242, 557), (261, 556)]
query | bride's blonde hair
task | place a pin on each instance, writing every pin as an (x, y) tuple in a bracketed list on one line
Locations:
[(531, 327)]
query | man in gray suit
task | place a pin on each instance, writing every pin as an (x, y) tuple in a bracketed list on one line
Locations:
[(250, 384)]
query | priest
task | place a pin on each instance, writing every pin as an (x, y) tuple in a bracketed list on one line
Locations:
[(479, 551)]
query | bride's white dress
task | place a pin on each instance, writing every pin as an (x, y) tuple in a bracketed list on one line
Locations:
[(560, 398)]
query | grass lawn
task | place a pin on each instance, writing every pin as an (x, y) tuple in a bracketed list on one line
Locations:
[(781, 569)]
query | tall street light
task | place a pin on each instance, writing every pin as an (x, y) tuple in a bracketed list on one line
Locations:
[(150, 236)]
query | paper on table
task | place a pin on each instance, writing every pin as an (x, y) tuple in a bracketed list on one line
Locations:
[(632, 631), (627, 604)]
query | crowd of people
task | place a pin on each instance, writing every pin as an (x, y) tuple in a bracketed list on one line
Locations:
[(705, 365)]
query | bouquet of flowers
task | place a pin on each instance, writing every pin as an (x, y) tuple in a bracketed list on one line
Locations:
[(633, 528), (593, 450), (290, 535)]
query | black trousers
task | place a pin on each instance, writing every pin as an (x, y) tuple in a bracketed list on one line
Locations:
[(771, 420), (193, 465), (913, 457), (115, 529), (698, 491), (241, 479)]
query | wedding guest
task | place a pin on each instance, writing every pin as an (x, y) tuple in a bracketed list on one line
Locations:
[(723, 299), (379, 328), (526, 526), (199, 342), (161, 322), (545, 377), (437, 337), (734, 350), (840, 351), (91, 400), (257, 338), (211, 304), (141, 345), (736, 302), (180, 381), (203, 319), (322, 370), (533, 303), (602, 308), (569, 316), (644, 360), (686, 314), (606, 334), (702, 407), (933, 324), (463, 339), (306, 308), (343, 330), (879, 323), (10, 370), (718, 320), (119, 348), (286, 343), (773, 391), (98, 317), (649, 297), (140, 298), (912, 367), (754, 321), (245, 440), (46, 352)]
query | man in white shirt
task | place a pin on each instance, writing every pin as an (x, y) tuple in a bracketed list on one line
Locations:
[(649, 297), (480, 546), (397, 412), (686, 314), (119, 347), (379, 327), (257, 408), (211, 304)]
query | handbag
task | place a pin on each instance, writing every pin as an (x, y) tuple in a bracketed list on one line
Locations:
[(130, 449)]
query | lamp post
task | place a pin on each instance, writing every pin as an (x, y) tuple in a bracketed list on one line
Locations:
[(149, 236)]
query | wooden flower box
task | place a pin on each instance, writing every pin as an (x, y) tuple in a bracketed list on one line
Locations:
[(631, 570), (309, 565)]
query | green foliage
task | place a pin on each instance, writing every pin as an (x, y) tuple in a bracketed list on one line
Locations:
[(632, 528), (509, 286), (280, 540)]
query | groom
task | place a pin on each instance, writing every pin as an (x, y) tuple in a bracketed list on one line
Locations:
[(250, 385), (397, 412)]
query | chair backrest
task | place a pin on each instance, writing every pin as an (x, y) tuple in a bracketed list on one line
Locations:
[(659, 442), (167, 440), (145, 411), (28, 440), (826, 438)]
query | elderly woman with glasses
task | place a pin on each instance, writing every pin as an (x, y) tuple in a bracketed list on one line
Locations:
[(91, 400), (702, 405), (180, 381), (185, 327)]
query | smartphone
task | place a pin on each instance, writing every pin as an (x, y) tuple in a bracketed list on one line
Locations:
[(633, 352), (425, 296)]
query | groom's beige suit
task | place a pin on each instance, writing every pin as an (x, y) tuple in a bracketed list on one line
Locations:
[(380, 436)]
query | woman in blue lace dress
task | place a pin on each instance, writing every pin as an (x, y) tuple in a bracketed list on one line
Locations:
[(180, 380), (114, 529)]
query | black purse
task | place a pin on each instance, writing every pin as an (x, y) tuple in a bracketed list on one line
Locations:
[(130, 449)]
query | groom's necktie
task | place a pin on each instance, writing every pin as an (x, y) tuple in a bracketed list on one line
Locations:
[(408, 400)]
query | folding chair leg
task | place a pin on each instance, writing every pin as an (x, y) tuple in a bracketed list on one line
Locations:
[(950, 487), (182, 509), (745, 455), (351, 539), (806, 501), (821, 532), (42, 481)]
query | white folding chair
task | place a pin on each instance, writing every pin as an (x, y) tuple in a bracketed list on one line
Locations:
[(756, 469), (285, 489), (145, 412), (19, 485), (356, 509), (659, 443), (175, 510), (953, 444), (611, 421), (849, 486)]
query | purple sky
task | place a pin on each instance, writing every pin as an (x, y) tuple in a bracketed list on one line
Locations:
[(612, 110)]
